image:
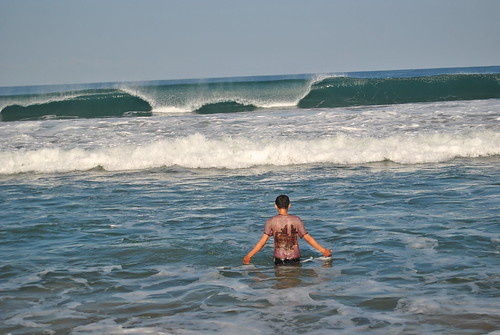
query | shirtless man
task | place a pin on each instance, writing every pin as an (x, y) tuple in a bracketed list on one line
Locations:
[(285, 229)]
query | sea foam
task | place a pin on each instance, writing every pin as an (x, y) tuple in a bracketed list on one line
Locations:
[(199, 151)]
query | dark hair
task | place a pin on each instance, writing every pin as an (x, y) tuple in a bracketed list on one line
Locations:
[(282, 201)]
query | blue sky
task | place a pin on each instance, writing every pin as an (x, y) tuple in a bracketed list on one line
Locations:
[(82, 41)]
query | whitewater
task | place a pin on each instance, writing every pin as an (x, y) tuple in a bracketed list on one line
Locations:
[(127, 208), (407, 134)]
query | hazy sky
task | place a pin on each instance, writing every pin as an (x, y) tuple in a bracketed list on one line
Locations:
[(81, 41)]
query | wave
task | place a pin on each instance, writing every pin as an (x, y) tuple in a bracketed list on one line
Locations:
[(224, 97), (319, 91), (198, 151), (234, 95), (83, 104), (225, 107), (347, 91)]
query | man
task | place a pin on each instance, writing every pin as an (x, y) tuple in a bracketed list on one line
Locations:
[(285, 229)]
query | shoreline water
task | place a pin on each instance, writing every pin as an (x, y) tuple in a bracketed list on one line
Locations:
[(415, 250)]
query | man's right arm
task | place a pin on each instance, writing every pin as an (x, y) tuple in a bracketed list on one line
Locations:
[(256, 249)]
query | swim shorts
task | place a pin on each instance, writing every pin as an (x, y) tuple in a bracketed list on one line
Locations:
[(283, 261)]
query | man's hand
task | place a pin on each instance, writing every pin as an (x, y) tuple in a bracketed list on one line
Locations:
[(246, 260), (327, 252)]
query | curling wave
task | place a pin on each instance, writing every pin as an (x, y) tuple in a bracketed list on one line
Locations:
[(347, 91), (233, 95), (83, 104)]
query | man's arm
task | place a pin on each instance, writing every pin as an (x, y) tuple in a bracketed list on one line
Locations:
[(309, 239), (256, 249)]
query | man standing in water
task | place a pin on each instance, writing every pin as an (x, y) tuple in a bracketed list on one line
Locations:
[(285, 229)]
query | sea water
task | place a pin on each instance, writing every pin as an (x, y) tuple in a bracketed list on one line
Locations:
[(138, 224)]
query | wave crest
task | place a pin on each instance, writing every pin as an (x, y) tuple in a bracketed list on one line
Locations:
[(349, 91), (84, 104), (198, 151), (248, 94)]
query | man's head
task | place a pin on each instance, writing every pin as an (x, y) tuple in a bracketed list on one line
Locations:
[(282, 202)]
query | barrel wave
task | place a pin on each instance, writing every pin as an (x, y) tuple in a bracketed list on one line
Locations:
[(347, 91), (85, 104), (249, 94)]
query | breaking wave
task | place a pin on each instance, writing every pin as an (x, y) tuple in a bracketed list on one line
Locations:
[(232, 95), (198, 151), (84, 104), (346, 91)]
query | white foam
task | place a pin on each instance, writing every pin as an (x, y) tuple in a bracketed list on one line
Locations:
[(109, 326), (416, 242), (198, 151), (406, 134), (425, 305), (170, 110), (447, 305)]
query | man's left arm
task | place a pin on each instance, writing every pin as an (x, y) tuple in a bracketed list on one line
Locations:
[(309, 239)]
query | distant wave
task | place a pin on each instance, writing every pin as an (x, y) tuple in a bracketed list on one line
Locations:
[(83, 104), (225, 107), (209, 97), (347, 91), (224, 97), (198, 151)]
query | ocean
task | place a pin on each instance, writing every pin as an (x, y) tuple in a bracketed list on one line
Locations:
[(127, 208)]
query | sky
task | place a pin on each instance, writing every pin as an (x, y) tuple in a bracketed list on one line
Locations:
[(87, 41)]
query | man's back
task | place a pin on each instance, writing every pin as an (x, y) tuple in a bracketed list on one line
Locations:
[(285, 230)]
